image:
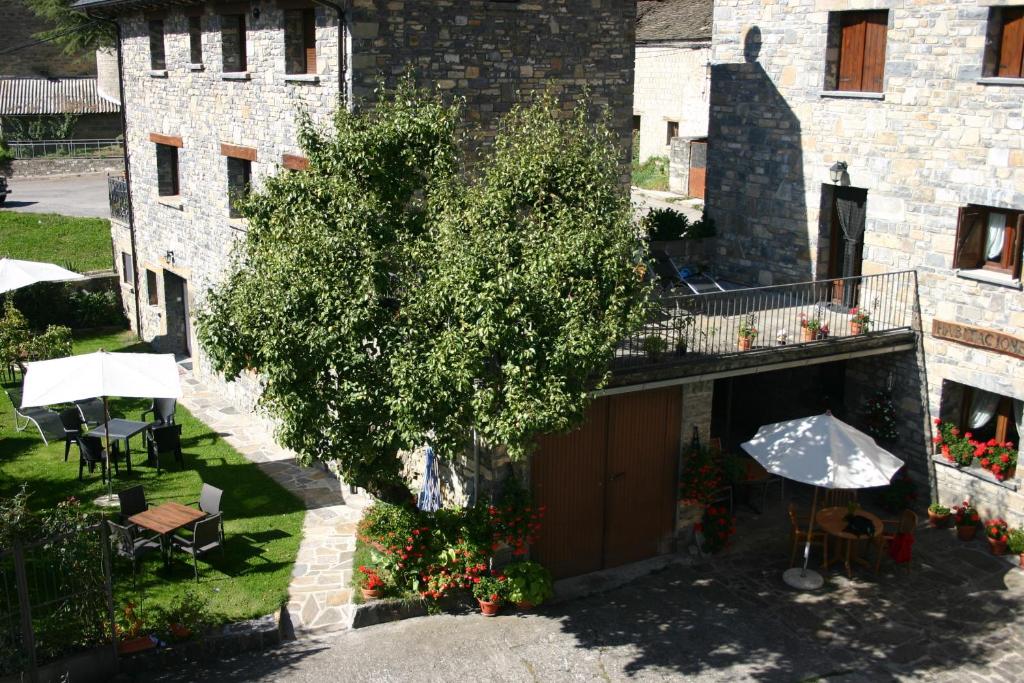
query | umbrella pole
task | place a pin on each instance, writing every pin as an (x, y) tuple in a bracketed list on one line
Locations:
[(810, 530), (107, 500), (804, 578)]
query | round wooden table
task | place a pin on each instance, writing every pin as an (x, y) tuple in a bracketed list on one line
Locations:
[(833, 522)]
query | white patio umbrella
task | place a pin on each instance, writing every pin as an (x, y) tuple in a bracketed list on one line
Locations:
[(823, 451), (15, 274), (101, 374)]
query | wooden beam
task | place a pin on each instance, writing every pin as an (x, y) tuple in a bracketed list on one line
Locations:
[(294, 162), (161, 139), (238, 151)]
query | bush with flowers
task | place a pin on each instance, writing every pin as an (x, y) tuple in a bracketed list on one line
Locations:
[(954, 446), (514, 520), (717, 527), (997, 529), (490, 588), (966, 514), (369, 578), (998, 458), (860, 317)]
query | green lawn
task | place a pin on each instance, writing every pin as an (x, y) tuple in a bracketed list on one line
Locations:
[(81, 244), (262, 525)]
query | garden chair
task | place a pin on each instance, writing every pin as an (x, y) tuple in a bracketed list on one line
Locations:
[(47, 421), (133, 501), (92, 453), (91, 410), (130, 544), (206, 536), (209, 502), (798, 533), (72, 422), (162, 410), (898, 537), (165, 439)]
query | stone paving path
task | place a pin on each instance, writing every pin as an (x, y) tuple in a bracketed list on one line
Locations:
[(319, 597)]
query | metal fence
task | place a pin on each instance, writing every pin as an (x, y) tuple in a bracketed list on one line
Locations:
[(67, 149), (55, 598), (685, 327), (117, 194)]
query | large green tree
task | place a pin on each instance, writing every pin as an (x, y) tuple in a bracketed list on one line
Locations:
[(73, 29), (389, 297)]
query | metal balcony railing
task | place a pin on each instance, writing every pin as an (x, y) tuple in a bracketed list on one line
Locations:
[(117, 193), (67, 149), (690, 327)]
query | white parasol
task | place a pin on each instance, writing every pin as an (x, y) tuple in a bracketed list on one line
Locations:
[(15, 274)]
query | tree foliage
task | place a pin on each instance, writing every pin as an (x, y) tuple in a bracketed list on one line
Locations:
[(73, 29), (389, 298)]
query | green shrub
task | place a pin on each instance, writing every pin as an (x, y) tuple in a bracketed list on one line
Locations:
[(528, 582), (6, 155), (54, 303), (55, 342), (665, 224), (651, 174), (1016, 543)]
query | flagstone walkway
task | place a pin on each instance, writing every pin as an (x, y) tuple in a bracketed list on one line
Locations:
[(319, 597)]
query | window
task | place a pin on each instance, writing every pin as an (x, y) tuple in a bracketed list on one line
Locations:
[(157, 62), (856, 51), (989, 238), (239, 175), (195, 39), (167, 170), (151, 290), (989, 416), (671, 131), (127, 268), (1004, 46), (300, 41), (232, 37), (636, 123)]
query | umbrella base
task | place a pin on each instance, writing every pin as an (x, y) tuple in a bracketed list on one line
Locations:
[(803, 579), (109, 500)]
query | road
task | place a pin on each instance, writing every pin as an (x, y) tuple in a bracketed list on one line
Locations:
[(69, 195)]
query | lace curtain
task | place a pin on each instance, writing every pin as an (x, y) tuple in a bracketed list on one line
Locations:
[(983, 407), (1018, 416), (996, 234)]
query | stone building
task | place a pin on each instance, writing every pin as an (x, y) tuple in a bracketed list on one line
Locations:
[(861, 137), (40, 82)]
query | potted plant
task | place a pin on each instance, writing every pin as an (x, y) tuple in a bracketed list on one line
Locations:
[(809, 328), (529, 584), (998, 458), (188, 615), (939, 516), (860, 320), (488, 592), (953, 446), (1016, 544), (997, 532), (682, 327), (371, 584), (654, 346), (128, 627), (967, 520), (747, 332)]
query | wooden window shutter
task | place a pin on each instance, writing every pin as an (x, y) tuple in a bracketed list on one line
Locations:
[(851, 51), (309, 39), (876, 27), (1018, 245), (1011, 47), (970, 238)]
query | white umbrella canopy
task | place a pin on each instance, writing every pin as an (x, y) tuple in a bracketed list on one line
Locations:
[(822, 450), (101, 374), (15, 274)]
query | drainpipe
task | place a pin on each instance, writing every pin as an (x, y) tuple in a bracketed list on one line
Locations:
[(342, 61), (476, 467), (127, 170)]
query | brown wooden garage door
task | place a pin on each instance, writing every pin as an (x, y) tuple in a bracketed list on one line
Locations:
[(609, 486)]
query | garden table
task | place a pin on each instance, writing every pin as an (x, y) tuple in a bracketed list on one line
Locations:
[(121, 429), (165, 519), (833, 522)]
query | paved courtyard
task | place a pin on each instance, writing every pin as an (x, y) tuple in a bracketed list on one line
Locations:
[(956, 617)]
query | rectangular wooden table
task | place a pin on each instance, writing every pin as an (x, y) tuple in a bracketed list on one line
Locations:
[(165, 519)]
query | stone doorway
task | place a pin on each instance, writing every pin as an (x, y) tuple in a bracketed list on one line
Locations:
[(176, 314)]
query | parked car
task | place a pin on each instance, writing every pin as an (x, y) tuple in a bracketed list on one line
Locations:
[(3, 190)]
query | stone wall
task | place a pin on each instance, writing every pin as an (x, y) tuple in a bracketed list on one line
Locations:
[(490, 53), (30, 168), (937, 138), (671, 84)]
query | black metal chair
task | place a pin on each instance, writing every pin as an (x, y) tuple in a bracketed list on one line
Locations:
[(206, 536), (72, 422), (133, 501), (162, 410), (209, 502), (165, 439), (91, 410), (91, 453), (130, 544)]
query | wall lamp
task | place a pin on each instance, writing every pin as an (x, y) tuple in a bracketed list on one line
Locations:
[(837, 171)]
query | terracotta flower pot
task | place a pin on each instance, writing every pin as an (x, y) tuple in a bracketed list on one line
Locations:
[(807, 334), (745, 343), (371, 593), (180, 632), (997, 547), (856, 328), (966, 533), (525, 606), (939, 521), (489, 609)]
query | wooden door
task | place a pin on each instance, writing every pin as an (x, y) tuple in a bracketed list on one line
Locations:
[(844, 293), (643, 447), (698, 169), (567, 476)]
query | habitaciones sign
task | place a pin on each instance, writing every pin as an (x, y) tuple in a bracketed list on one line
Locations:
[(976, 336)]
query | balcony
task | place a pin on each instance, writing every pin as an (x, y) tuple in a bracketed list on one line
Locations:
[(698, 334)]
